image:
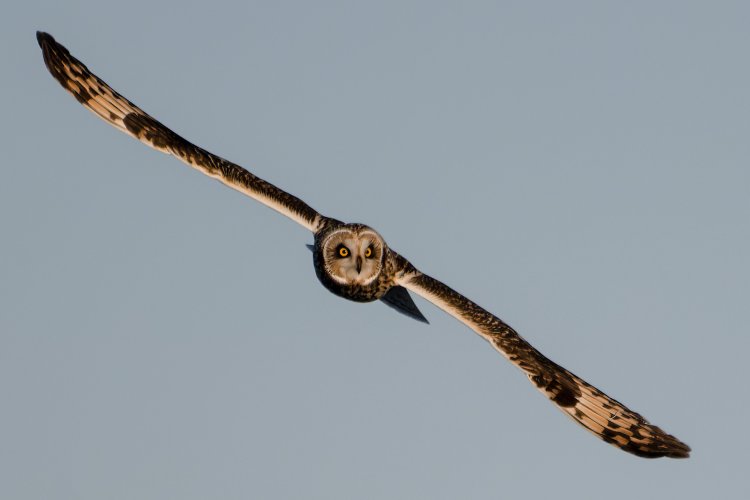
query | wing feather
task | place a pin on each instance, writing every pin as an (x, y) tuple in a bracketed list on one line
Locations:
[(94, 94), (607, 418)]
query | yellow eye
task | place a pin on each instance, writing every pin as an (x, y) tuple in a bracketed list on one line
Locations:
[(343, 251), (368, 252)]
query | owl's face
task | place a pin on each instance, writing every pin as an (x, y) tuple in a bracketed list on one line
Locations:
[(353, 255)]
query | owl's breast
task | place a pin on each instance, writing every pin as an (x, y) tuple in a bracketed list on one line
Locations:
[(354, 291), (357, 292)]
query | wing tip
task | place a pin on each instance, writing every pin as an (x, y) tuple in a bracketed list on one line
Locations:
[(674, 447), (677, 449), (659, 445), (44, 39)]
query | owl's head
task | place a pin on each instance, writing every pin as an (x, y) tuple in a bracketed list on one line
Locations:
[(352, 254)]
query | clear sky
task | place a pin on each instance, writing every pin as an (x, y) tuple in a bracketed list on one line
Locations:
[(578, 168)]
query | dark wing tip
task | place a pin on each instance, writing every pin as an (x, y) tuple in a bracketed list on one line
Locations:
[(659, 445), (672, 449), (675, 447), (643, 439), (684, 453), (44, 38)]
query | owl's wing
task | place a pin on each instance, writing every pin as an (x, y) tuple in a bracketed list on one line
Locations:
[(94, 94), (610, 420)]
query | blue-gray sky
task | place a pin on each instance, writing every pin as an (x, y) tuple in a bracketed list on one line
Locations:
[(578, 168)]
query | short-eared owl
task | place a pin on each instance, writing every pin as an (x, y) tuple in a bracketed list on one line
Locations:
[(354, 262)]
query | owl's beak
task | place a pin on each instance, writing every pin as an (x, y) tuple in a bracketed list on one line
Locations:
[(359, 264)]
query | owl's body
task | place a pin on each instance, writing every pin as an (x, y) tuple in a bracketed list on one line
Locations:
[(354, 262)]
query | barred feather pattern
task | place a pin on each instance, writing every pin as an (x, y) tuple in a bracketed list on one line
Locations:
[(98, 97), (607, 418)]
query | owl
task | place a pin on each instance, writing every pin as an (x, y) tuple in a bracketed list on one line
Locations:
[(354, 262)]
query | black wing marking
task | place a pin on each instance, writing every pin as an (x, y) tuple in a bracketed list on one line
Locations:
[(607, 418), (94, 94)]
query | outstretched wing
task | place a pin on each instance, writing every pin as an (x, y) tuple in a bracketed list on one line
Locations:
[(610, 420), (101, 99)]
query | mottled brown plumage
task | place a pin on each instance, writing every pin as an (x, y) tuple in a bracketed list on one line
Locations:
[(116, 110), (609, 419), (368, 269)]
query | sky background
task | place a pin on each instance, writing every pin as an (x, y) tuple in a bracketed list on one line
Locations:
[(578, 168)]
